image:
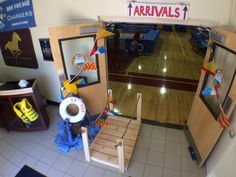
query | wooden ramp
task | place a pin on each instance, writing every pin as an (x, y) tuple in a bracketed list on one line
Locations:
[(104, 147), (114, 144)]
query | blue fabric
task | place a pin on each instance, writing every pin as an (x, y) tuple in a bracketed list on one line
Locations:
[(66, 142)]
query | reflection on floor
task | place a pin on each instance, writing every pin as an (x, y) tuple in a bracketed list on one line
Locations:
[(171, 107), (173, 56)]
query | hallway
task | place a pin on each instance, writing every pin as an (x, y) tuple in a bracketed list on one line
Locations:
[(173, 65)]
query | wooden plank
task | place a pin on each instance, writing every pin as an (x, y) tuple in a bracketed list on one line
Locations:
[(121, 155), (114, 127), (108, 151), (85, 143), (104, 157), (112, 139), (118, 118), (111, 145), (130, 136), (110, 105), (118, 123), (139, 106), (112, 161), (115, 133), (134, 124), (132, 131)]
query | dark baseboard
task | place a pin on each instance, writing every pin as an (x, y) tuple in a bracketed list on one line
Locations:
[(167, 125), (193, 145), (152, 122), (153, 82), (53, 103)]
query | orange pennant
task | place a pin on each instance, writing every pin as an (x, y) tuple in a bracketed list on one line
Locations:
[(112, 101), (89, 66), (224, 121)]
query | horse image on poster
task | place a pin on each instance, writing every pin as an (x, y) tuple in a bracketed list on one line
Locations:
[(13, 45)]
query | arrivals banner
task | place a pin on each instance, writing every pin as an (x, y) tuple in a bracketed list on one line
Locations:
[(177, 11), (16, 14)]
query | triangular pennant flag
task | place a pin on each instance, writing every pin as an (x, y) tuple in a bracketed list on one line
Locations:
[(94, 49), (105, 110), (209, 67), (83, 82), (112, 101), (70, 87), (100, 50), (208, 91), (103, 33), (224, 121)]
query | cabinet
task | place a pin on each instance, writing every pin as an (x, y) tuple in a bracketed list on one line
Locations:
[(11, 93)]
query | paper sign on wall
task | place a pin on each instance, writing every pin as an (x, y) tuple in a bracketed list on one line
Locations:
[(17, 48), (177, 11), (16, 14)]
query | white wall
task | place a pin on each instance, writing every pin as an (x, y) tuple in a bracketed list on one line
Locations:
[(54, 12), (223, 158), (232, 19)]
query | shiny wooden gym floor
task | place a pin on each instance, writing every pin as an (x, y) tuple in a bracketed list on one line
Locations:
[(173, 56), (173, 60), (171, 107)]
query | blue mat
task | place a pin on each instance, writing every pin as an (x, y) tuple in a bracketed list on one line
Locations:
[(26, 171)]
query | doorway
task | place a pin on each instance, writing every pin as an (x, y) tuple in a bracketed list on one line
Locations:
[(162, 62)]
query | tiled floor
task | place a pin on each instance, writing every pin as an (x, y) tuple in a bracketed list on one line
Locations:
[(159, 152)]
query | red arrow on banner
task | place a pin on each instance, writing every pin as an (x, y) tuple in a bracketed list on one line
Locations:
[(130, 7), (185, 11)]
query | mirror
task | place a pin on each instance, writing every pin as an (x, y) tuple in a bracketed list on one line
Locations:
[(78, 65), (225, 64)]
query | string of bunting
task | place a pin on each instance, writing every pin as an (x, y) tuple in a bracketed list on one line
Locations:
[(102, 33), (80, 61)]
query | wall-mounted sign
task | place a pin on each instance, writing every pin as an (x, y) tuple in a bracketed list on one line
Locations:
[(17, 49), (46, 49), (178, 11), (16, 14)]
